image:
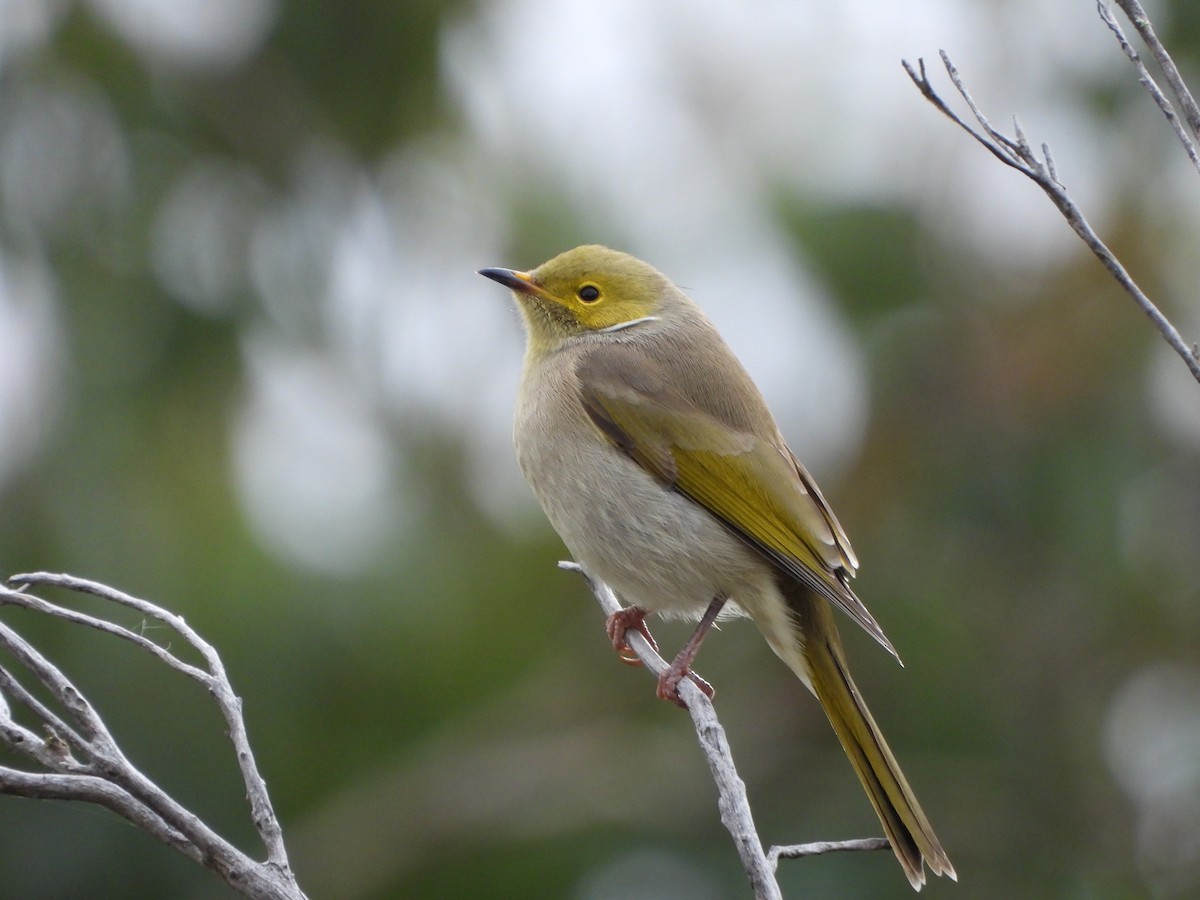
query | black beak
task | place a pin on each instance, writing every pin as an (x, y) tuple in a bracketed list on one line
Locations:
[(517, 281)]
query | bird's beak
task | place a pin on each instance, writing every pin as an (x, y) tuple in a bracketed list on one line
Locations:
[(510, 278)]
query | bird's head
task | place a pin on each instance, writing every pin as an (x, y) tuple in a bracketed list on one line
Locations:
[(588, 289)]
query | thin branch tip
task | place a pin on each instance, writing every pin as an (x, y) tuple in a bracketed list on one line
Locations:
[(819, 848), (912, 73), (1017, 154)]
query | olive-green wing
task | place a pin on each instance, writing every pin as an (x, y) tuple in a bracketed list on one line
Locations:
[(754, 485)]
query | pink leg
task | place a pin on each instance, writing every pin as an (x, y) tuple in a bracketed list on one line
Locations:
[(622, 621), (681, 666)]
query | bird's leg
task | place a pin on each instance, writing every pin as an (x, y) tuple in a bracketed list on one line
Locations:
[(620, 622), (681, 666)]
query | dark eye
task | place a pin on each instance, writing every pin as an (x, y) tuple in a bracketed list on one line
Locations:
[(589, 293)]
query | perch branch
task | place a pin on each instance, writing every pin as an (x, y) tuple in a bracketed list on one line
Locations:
[(1018, 154), (82, 760), (732, 802)]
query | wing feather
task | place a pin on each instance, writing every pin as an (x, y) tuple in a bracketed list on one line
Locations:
[(755, 486)]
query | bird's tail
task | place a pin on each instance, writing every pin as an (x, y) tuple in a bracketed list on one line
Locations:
[(816, 655)]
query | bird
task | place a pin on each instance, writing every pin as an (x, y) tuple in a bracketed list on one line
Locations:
[(657, 461)]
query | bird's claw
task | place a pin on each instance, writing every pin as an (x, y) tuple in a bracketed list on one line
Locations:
[(631, 617), (669, 680)]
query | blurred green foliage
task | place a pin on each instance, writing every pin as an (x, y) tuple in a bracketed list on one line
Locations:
[(445, 719)]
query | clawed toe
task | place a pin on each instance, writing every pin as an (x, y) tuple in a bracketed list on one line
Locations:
[(670, 679), (620, 622)]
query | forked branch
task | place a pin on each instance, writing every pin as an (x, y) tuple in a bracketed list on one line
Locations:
[(1017, 153), (70, 754)]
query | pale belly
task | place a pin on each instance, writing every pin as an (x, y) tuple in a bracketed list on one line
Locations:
[(654, 547)]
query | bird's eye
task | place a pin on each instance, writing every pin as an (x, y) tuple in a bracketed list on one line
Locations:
[(589, 293)]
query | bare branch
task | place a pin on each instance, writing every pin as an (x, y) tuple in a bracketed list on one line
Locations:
[(93, 733), (216, 681), (925, 87), (13, 688), (816, 848), (1149, 83), (732, 802), (93, 789), (1141, 22), (37, 604), (83, 761), (1019, 155)]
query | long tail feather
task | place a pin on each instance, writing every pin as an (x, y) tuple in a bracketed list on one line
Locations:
[(817, 656)]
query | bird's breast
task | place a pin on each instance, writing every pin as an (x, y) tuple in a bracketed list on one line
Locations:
[(656, 548)]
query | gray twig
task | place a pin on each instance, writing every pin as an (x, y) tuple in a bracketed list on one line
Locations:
[(732, 802), (81, 760), (1141, 22), (1149, 83), (816, 848), (1017, 153)]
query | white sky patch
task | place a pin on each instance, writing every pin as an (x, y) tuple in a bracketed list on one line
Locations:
[(313, 466), (198, 244), (32, 358), (191, 32), (63, 155), (1152, 738), (26, 25)]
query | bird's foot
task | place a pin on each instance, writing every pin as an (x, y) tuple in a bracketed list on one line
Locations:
[(673, 675), (681, 666), (631, 617)]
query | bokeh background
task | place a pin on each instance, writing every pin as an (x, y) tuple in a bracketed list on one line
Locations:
[(248, 372)]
